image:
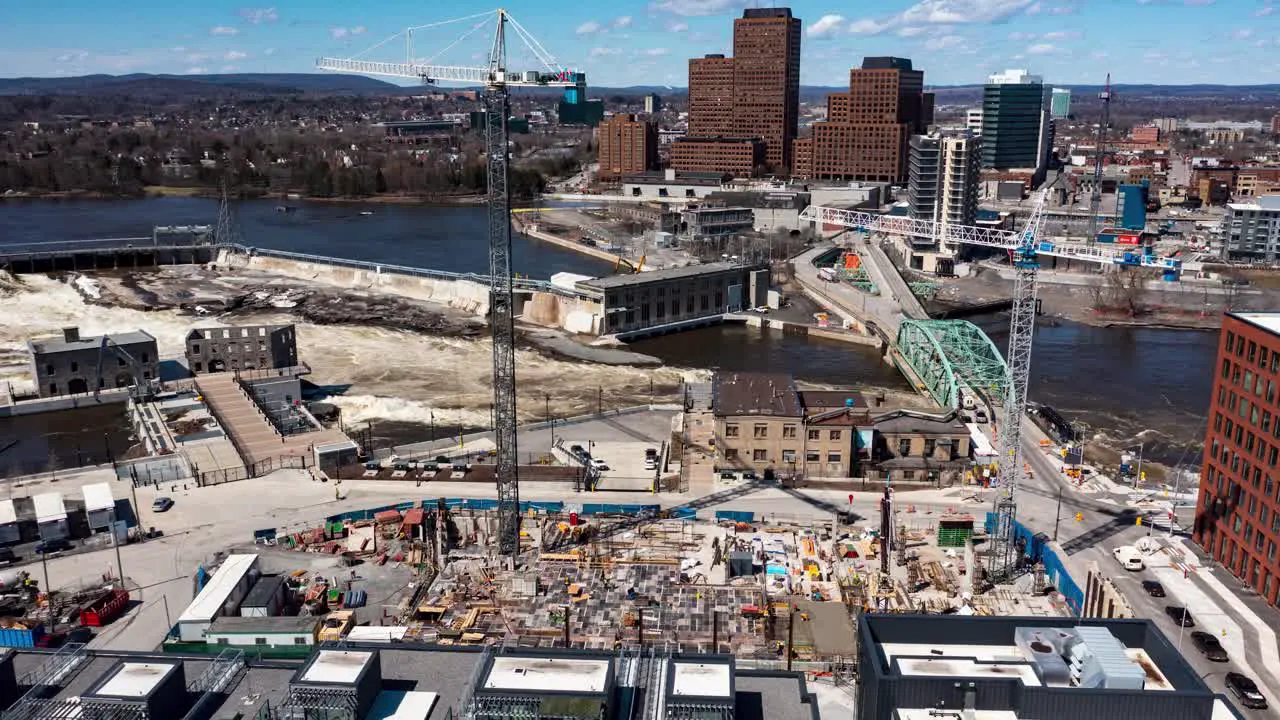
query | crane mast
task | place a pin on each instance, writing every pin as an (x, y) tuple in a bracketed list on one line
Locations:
[(1095, 198), (496, 80)]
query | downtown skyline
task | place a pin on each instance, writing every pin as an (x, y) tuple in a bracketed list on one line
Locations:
[(956, 42)]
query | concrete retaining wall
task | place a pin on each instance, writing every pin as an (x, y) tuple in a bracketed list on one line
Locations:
[(112, 396), (465, 295), (575, 315)]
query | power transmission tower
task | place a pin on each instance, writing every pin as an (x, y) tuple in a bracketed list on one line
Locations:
[(225, 232)]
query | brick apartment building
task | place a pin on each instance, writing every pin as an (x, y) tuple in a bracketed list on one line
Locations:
[(1237, 518), (1145, 134), (754, 94), (626, 144), (867, 129)]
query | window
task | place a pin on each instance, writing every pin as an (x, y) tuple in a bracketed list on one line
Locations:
[(122, 363), (75, 366), (1231, 340), (833, 457), (146, 357), (299, 641), (835, 435), (48, 369), (731, 431), (53, 388), (1226, 368), (760, 431), (1248, 379), (1253, 351), (222, 641), (908, 474), (813, 434), (929, 445), (788, 456), (759, 455), (904, 447), (199, 367), (730, 453), (260, 641), (814, 456), (195, 349), (788, 432)]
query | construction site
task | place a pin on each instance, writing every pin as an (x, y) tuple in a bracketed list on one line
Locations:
[(618, 577)]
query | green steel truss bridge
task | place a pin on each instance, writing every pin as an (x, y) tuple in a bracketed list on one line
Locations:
[(947, 355)]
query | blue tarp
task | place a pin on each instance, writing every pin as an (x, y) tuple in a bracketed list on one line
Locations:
[(1037, 548), (775, 570), (735, 515)]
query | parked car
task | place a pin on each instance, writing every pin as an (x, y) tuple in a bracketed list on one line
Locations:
[(599, 464), (1209, 646), (53, 545), (1153, 588), (749, 475), (577, 450), (650, 464), (161, 503), (1247, 690), (651, 452), (7, 556), (1180, 615), (728, 476)]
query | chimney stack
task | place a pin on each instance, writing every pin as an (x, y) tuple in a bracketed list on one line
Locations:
[(71, 334)]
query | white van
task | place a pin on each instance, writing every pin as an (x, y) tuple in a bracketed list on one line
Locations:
[(1129, 557)]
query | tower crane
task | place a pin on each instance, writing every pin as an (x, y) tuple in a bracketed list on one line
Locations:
[(1024, 247), (1095, 198), (496, 79)]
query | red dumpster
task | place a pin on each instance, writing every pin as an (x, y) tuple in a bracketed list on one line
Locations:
[(105, 609)]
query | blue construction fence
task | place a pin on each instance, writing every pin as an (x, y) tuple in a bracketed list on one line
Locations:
[(533, 506), (1037, 549)]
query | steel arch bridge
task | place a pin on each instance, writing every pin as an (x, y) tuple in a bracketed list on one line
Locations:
[(948, 354)]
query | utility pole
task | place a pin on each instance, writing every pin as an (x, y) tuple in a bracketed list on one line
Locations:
[(1057, 515), (115, 542)]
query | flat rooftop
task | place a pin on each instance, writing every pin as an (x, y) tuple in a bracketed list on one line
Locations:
[(402, 705), (1269, 321), (215, 592), (342, 667), (702, 679), (135, 679), (58, 345), (677, 273), (548, 674)]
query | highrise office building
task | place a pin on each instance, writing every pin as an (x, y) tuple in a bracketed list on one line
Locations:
[(1017, 130), (755, 93), (627, 144), (867, 129), (1060, 104)]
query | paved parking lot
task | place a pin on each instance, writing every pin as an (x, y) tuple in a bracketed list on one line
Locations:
[(626, 463)]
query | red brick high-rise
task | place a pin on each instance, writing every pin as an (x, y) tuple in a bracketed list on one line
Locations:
[(1238, 508), (754, 94), (867, 129), (627, 144)]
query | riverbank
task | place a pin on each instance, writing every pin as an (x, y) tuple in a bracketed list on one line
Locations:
[(161, 191)]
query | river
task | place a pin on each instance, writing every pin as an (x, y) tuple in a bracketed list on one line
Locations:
[(1126, 384)]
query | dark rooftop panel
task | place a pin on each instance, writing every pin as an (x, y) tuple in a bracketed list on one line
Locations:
[(735, 393)]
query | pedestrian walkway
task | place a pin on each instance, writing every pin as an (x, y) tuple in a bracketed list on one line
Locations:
[(252, 433)]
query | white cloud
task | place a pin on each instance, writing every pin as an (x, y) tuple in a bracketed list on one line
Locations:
[(1018, 36), (962, 11), (1196, 3), (72, 56), (197, 57), (588, 27), (228, 68), (827, 25), (223, 30), (359, 30), (677, 27), (257, 16), (1242, 33), (337, 33), (622, 22), (911, 31), (946, 42), (1062, 35), (695, 8), (178, 49), (605, 51), (197, 70), (867, 26), (1100, 55), (655, 52), (1041, 49), (235, 55), (269, 51), (1263, 12)]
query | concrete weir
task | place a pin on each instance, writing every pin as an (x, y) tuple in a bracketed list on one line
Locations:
[(458, 293)]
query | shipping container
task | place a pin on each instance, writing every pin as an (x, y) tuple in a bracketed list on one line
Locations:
[(21, 637), (105, 609)]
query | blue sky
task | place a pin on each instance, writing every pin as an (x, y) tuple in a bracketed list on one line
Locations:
[(647, 42)]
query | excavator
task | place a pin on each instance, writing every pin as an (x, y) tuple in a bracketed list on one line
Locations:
[(631, 268)]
